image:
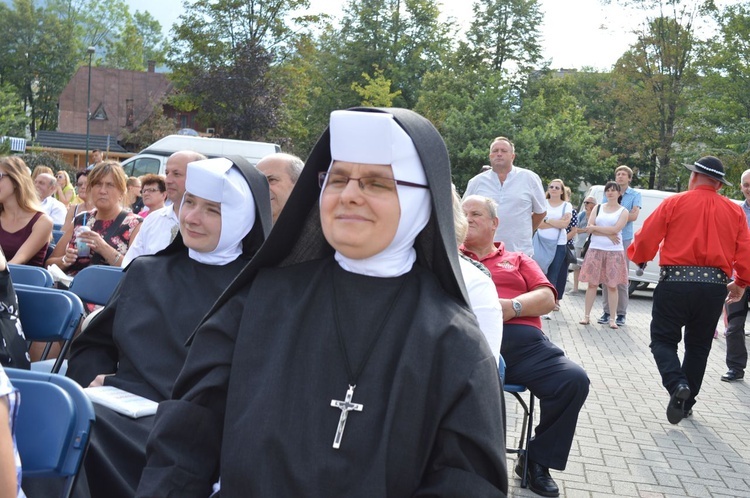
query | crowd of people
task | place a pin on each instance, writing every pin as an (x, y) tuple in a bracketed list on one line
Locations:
[(338, 314)]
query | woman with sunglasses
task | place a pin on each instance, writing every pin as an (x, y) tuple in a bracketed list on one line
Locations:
[(65, 192), (25, 231), (552, 228)]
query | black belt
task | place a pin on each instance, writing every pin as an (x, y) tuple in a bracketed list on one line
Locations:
[(704, 274)]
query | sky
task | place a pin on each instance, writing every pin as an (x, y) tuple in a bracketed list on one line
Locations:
[(575, 33)]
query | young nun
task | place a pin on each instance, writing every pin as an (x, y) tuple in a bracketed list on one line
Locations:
[(137, 342), (344, 360)]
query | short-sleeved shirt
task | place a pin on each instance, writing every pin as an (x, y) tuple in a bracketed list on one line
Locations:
[(513, 273), (520, 196), (7, 389), (630, 199)]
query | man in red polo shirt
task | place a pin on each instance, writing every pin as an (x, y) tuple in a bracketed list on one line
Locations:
[(703, 238), (531, 358)]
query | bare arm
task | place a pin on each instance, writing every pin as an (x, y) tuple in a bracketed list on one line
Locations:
[(634, 214), (536, 219), (536, 302), (8, 482), (613, 230), (41, 233), (560, 224), (61, 249)]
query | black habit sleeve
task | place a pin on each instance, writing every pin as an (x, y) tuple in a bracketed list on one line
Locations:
[(94, 351), (468, 460), (183, 449)]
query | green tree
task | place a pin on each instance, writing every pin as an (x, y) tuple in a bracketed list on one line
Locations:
[(505, 33), (404, 38), (657, 70), (138, 42), (13, 120), (720, 102), (377, 90), (39, 57), (555, 139)]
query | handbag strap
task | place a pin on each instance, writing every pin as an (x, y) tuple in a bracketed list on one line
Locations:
[(97, 258)]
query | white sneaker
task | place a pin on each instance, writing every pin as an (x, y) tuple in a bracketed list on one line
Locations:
[(546, 317)]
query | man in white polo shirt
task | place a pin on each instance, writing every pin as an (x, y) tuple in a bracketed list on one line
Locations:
[(45, 185), (517, 191), (160, 227)]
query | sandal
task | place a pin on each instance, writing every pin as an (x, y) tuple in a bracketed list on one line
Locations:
[(585, 320), (612, 324)]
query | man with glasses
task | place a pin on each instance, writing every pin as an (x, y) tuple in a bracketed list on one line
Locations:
[(631, 200), (517, 190), (160, 228)]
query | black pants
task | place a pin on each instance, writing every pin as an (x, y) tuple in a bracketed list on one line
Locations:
[(736, 347), (697, 307), (560, 384)]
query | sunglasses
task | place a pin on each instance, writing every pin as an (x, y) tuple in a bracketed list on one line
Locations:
[(589, 202)]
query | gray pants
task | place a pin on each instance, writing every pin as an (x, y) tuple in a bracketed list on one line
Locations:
[(736, 348), (622, 289)]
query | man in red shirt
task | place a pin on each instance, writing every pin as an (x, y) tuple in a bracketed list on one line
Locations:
[(531, 358), (703, 237)]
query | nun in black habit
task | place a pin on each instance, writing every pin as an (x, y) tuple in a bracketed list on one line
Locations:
[(344, 360), (138, 339)]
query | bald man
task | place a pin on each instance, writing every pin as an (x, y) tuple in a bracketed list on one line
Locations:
[(282, 171)]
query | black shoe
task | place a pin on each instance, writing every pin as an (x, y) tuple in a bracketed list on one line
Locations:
[(676, 406), (604, 318), (620, 320), (540, 482), (733, 375), (688, 413)]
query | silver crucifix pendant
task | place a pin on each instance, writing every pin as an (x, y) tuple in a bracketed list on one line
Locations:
[(345, 406)]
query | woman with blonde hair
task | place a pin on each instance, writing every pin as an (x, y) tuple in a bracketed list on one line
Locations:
[(25, 230), (552, 231), (65, 192)]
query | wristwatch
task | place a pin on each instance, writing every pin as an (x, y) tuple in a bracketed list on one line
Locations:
[(516, 306)]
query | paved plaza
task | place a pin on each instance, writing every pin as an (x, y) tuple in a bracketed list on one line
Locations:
[(624, 445)]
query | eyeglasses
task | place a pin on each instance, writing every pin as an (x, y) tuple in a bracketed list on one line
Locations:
[(149, 190), (370, 185), (555, 187)]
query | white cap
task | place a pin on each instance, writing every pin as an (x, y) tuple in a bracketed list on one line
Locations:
[(376, 138), (217, 180)]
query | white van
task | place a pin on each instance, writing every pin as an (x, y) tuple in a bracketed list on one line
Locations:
[(650, 200), (153, 159)]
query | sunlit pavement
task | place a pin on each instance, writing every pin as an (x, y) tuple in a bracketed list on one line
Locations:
[(624, 445)]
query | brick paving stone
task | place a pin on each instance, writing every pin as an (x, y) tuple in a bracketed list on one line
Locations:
[(624, 445)]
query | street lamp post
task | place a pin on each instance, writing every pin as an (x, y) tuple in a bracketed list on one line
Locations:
[(90, 51)]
